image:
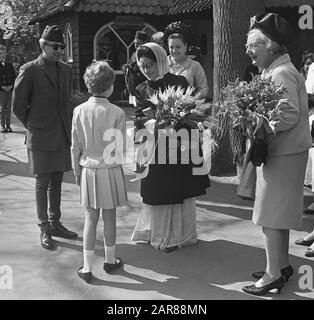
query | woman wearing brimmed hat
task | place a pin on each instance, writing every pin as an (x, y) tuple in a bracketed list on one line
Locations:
[(279, 189)]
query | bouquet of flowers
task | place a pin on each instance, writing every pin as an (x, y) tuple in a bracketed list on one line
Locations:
[(173, 109), (247, 104), (248, 107), (174, 106)]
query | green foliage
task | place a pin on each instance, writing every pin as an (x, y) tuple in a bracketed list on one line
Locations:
[(23, 38)]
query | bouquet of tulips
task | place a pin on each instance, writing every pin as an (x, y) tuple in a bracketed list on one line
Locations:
[(247, 104), (172, 107), (248, 107)]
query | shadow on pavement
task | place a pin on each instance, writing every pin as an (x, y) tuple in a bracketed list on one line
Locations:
[(14, 168), (208, 270)]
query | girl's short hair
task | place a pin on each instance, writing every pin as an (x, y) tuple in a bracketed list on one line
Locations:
[(270, 44), (99, 77), (144, 51)]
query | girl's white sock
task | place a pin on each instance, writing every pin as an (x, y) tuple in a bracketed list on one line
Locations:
[(88, 260)]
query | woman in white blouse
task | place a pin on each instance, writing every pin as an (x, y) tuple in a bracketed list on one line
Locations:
[(182, 64)]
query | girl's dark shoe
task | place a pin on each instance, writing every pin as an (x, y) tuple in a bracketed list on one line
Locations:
[(277, 284), (86, 276), (303, 242), (286, 272), (309, 253), (9, 129), (108, 267)]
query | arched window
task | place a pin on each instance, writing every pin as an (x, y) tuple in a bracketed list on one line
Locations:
[(69, 44), (114, 42)]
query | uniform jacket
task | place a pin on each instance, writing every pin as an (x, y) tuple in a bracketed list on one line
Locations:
[(42, 104), (7, 75), (292, 130)]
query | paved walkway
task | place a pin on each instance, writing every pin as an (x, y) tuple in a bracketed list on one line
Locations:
[(230, 247)]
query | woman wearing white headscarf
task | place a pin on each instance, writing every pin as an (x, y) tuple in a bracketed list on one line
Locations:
[(167, 219)]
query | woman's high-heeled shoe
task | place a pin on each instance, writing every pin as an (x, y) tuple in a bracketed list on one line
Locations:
[(286, 272), (277, 284)]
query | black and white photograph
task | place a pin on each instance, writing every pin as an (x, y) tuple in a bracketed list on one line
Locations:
[(156, 155)]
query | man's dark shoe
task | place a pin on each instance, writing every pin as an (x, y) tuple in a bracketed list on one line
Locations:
[(9, 129), (45, 238), (58, 230), (4, 130)]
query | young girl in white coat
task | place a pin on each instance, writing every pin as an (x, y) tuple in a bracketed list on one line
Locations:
[(98, 131)]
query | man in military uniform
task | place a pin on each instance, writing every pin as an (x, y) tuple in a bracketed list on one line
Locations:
[(41, 101), (7, 77)]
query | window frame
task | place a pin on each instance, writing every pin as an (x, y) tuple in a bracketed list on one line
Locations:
[(110, 25), (68, 36)]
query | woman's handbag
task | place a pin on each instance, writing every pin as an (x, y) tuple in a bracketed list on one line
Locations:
[(257, 154)]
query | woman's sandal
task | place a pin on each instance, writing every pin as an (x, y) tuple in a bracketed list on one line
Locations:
[(109, 267), (170, 249), (309, 253), (303, 242)]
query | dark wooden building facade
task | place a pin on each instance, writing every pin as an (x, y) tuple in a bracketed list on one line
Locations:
[(105, 29), (93, 26)]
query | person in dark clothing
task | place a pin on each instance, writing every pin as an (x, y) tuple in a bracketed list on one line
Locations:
[(307, 60), (133, 75), (167, 220), (41, 101), (7, 77)]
